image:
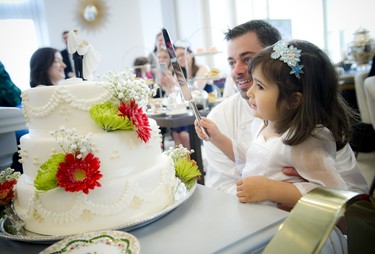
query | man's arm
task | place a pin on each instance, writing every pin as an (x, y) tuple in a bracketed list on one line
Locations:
[(221, 173)]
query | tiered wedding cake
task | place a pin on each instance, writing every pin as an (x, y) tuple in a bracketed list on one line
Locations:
[(92, 158)]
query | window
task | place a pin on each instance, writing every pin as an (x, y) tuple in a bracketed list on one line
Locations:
[(329, 24), (19, 43), (22, 32)]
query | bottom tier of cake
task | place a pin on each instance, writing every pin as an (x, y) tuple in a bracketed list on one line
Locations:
[(117, 202)]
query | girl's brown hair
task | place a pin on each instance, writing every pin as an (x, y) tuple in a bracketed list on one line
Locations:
[(321, 102)]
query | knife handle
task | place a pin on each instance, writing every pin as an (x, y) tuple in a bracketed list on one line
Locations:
[(198, 117)]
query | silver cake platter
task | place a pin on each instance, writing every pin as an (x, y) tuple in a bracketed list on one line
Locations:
[(181, 195)]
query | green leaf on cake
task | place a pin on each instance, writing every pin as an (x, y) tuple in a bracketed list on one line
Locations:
[(106, 116), (46, 177), (187, 171)]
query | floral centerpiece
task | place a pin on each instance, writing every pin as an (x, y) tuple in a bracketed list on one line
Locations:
[(8, 180), (125, 111)]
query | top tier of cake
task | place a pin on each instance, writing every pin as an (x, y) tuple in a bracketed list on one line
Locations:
[(66, 105)]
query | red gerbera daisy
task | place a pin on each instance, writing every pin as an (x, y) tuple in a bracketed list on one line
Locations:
[(79, 175), (6, 191), (138, 119)]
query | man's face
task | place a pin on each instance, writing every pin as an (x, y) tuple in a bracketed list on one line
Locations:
[(240, 52), (65, 38)]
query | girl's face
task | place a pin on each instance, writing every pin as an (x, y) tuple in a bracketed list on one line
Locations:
[(56, 70), (263, 96)]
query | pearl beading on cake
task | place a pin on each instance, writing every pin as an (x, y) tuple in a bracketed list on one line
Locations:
[(60, 97), (133, 196)]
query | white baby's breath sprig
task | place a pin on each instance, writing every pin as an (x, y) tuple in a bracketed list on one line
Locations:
[(178, 152), (124, 86), (9, 174), (71, 142)]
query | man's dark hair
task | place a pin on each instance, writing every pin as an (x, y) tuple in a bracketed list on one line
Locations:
[(266, 33)]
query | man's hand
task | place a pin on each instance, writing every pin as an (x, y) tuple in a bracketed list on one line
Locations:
[(289, 171)]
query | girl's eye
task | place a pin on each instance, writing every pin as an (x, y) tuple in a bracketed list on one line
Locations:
[(260, 87)]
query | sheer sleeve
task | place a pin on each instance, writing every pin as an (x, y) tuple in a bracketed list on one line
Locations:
[(314, 159)]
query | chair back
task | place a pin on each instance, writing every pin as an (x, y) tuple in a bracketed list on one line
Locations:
[(360, 95), (312, 220), (370, 98), (11, 120)]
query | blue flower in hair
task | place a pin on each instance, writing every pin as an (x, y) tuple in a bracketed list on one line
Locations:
[(289, 55)]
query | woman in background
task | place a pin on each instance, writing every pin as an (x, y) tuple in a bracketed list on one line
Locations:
[(167, 82), (188, 64), (164, 76), (46, 67), (152, 57)]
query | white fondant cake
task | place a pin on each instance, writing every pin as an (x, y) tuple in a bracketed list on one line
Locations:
[(137, 179)]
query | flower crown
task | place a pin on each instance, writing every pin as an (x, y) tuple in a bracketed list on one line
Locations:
[(289, 55)]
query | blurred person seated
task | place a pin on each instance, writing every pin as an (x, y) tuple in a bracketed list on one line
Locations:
[(168, 82), (142, 68), (46, 67), (10, 94), (152, 57), (189, 66)]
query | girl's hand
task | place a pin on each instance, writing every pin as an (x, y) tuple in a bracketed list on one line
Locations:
[(253, 189), (211, 128)]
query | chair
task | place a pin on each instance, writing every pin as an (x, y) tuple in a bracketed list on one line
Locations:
[(313, 218), (360, 95), (370, 98), (11, 120), (364, 135)]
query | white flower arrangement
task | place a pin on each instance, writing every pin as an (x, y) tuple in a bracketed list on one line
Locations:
[(73, 143), (9, 174), (125, 86), (178, 152)]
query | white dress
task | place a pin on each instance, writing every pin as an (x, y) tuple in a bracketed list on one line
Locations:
[(314, 159)]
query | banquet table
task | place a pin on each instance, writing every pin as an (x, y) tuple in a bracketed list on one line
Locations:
[(210, 221), (187, 119)]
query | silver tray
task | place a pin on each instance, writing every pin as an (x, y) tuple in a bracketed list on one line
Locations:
[(181, 195)]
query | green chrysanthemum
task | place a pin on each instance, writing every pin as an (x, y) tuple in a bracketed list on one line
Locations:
[(187, 171), (106, 116), (46, 177)]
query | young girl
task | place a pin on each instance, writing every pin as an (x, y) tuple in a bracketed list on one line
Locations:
[(304, 121)]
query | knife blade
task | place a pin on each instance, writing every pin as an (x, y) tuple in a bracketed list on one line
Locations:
[(181, 78)]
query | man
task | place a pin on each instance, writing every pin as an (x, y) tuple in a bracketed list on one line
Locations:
[(233, 115), (69, 73)]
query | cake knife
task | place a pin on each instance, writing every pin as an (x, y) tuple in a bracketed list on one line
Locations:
[(181, 78)]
